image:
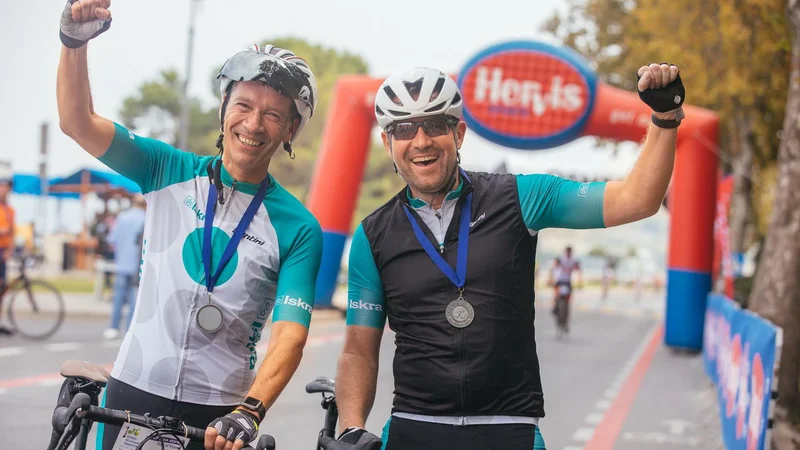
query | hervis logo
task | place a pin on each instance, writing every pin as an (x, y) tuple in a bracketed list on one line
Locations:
[(527, 95)]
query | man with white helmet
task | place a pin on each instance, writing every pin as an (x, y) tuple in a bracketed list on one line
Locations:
[(223, 244), (450, 262)]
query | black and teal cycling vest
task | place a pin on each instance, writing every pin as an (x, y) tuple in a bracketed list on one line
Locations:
[(491, 366)]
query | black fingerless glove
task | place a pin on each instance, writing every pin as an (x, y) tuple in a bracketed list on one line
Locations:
[(665, 99)]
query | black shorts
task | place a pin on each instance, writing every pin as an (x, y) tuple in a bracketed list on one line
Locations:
[(403, 434), (119, 395)]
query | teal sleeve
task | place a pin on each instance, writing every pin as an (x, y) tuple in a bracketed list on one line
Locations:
[(297, 277), (150, 163), (365, 302), (549, 201), (538, 440)]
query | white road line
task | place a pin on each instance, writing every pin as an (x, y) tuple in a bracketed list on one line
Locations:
[(62, 346), (112, 344), (11, 351), (594, 418), (3, 391), (583, 434), (603, 405), (51, 382)]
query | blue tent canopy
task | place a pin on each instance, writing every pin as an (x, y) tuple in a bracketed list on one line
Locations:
[(29, 184), (99, 177)]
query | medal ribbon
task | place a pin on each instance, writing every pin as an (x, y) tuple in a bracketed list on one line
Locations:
[(458, 277), (238, 232)]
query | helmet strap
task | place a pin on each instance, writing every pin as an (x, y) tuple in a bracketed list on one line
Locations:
[(288, 147), (458, 157)]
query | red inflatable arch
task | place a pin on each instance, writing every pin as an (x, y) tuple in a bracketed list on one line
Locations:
[(530, 95)]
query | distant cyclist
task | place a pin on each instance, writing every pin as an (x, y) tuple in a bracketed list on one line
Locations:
[(563, 268), (223, 243)]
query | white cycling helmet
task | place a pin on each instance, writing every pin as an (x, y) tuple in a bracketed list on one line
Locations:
[(279, 69), (417, 92)]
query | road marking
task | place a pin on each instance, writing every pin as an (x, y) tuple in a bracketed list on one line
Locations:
[(62, 346), (112, 344), (608, 430), (611, 393), (572, 447), (583, 434), (3, 391), (11, 351), (56, 381), (50, 379), (594, 418), (603, 405)]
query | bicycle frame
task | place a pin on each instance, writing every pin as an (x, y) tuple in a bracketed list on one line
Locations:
[(331, 417)]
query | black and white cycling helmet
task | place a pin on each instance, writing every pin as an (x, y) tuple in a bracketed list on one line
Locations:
[(417, 92), (279, 69)]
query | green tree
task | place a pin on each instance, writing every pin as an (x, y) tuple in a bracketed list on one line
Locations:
[(776, 289), (155, 110), (598, 251), (734, 57)]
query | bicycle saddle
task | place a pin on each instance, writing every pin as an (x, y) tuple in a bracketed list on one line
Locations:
[(320, 384), (75, 368)]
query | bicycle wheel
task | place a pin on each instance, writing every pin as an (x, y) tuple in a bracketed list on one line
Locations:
[(35, 308), (561, 315)]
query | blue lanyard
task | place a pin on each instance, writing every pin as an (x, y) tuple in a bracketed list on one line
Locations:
[(458, 277), (238, 232)]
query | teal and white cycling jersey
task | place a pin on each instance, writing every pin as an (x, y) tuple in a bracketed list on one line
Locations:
[(275, 266)]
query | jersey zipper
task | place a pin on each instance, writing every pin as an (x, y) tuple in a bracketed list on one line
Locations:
[(441, 228), (461, 372)]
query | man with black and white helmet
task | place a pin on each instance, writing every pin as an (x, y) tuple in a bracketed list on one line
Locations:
[(450, 262), (224, 244)]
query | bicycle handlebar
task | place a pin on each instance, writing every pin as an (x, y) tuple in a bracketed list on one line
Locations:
[(85, 410)]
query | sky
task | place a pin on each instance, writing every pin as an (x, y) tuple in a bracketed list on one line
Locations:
[(148, 36)]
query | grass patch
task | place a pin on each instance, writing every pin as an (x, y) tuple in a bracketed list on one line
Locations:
[(73, 285)]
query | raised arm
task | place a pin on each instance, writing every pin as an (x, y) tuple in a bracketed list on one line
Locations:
[(551, 202), (80, 22), (641, 193)]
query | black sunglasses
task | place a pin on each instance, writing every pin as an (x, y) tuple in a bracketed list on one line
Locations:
[(406, 131)]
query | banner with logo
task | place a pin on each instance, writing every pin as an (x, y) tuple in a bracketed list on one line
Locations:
[(527, 95), (723, 259), (739, 354)]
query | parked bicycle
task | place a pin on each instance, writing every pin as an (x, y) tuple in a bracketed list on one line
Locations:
[(78, 409), (35, 307)]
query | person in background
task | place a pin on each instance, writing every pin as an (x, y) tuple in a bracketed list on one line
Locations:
[(6, 239), (103, 222), (608, 278), (126, 239)]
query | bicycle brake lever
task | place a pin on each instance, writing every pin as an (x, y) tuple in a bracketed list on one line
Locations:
[(265, 442)]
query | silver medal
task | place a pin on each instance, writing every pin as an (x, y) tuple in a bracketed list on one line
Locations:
[(460, 313), (209, 317)]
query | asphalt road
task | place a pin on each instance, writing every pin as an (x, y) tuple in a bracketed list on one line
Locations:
[(581, 374)]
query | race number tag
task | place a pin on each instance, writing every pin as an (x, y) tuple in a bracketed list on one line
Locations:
[(130, 436), (563, 289)]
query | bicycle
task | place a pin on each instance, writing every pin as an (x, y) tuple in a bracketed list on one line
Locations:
[(73, 420), (327, 435), (563, 292), (37, 314)]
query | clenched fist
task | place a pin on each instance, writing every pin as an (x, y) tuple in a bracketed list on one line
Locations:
[(660, 87), (83, 20)]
